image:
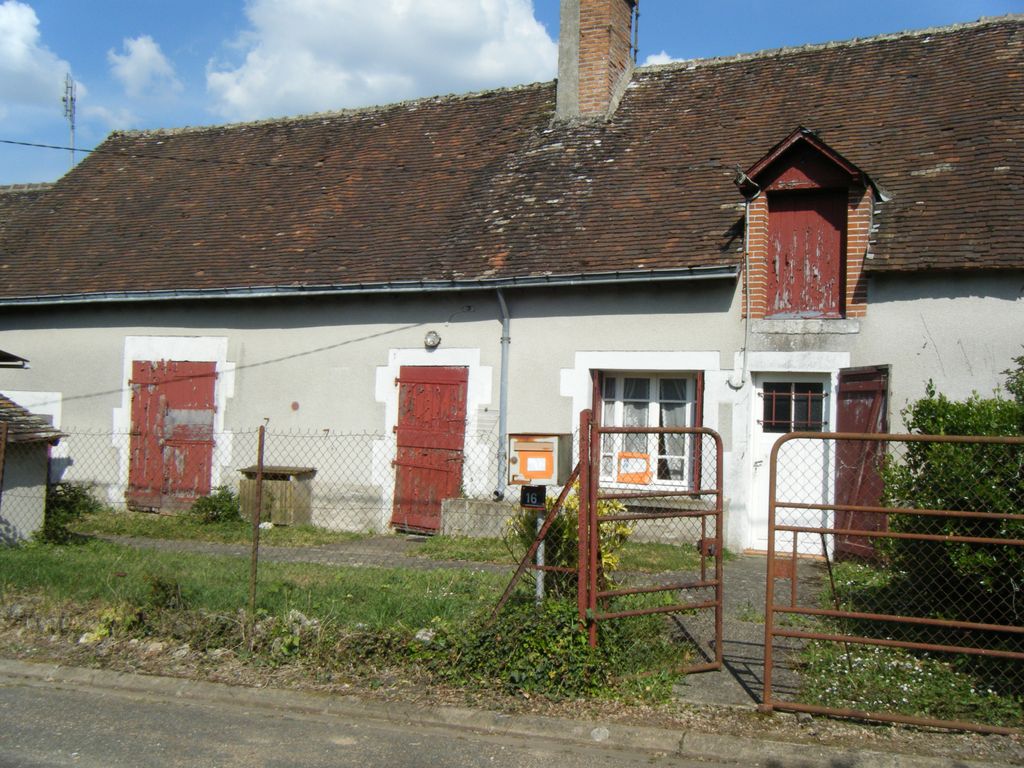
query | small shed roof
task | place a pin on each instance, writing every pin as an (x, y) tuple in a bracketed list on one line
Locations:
[(23, 426), (7, 360)]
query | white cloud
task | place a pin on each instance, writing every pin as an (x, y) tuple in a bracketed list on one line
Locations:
[(114, 119), (143, 69), (660, 58), (311, 55), (30, 74)]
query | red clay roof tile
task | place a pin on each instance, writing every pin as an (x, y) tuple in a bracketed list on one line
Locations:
[(487, 186)]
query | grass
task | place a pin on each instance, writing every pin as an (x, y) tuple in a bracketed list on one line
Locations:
[(652, 557), (465, 548), (356, 620), (186, 527), (878, 679), (373, 597), (875, 679)]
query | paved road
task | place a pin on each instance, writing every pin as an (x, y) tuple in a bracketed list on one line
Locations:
[(59, 724)]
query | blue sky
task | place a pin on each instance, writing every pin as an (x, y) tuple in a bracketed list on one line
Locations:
[(148, 64)]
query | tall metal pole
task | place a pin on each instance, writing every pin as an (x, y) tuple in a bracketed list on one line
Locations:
[(3, 455), (69, 110), (258, 507)]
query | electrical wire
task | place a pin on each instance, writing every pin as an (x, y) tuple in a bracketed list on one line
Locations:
[(152, 156)]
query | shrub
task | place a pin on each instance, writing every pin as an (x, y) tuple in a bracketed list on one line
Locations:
[(541, 649), (1015, 380), (66, 503), (221, 506), (561, 544), (967, 581)]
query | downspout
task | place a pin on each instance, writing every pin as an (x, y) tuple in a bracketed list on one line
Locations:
[(746, 284), (506, 339)]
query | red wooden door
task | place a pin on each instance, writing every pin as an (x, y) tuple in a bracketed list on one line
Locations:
[(806, 231), (431, 433), (171, 446), (862, 407)]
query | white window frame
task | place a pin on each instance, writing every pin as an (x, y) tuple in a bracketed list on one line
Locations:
[(613, 415)]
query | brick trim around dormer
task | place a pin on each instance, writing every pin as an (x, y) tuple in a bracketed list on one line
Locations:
[(860, 204)]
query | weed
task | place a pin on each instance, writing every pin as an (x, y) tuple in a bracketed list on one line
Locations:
[(66, 503), (749, 613), (877, 679), (221, 506)]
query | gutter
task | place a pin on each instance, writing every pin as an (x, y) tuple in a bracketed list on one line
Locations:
[(407, 286)]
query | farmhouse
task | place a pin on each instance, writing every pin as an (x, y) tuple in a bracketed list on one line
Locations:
[(794, 239)]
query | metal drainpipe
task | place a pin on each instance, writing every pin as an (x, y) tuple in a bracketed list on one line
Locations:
[(746, 292), (506, 339)]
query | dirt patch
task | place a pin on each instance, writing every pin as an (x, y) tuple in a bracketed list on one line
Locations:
[(33, 629)]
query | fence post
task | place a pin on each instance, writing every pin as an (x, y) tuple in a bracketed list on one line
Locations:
[(3, 456), (583, 521), (594, 538), (258, 508), (539, 580)]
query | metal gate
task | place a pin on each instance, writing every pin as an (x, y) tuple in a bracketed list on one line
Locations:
[(664, 484), (925, 627)]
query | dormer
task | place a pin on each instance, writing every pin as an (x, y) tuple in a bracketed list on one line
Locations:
[(807, 232)]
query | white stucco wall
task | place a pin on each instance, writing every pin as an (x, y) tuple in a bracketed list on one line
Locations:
[(24, 492), (325, 366), (959, 330)]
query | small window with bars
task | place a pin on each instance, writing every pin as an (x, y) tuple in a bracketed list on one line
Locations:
[(793, 406)]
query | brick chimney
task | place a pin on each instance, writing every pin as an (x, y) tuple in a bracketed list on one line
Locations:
[(595, 56)]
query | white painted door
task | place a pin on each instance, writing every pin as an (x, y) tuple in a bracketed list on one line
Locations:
[(787, 403)]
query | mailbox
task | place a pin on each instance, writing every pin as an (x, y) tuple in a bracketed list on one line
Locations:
[(539, 459)]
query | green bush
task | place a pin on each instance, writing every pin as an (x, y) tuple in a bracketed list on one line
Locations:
[(65, 503), (541, 649), (1015, 380), (955, 580), (561, 544), (221, 506)]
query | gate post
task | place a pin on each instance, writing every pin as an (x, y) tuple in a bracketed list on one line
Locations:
[(583, 521), (594, 535), (769, 616)]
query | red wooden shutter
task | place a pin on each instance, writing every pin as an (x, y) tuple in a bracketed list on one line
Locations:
[(862, 407), (430, 437), (806, 237)]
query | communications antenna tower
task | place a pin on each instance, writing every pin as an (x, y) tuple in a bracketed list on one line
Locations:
[(69, 110)]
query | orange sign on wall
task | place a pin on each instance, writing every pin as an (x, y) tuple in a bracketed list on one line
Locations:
[(633, 468)]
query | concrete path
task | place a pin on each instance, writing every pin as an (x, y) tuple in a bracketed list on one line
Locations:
[(741, 681)]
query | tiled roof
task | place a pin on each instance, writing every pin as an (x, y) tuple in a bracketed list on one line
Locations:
[(487, 187), (16, 197), (24, 426)]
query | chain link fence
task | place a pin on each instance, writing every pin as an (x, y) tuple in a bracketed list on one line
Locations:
[(916, 607), (342, 482), (652, 522)]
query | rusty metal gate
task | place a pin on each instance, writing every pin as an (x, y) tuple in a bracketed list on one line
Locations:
[(664, 485), (925, 625)]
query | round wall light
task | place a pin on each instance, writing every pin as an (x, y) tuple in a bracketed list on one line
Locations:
[(432, 340)]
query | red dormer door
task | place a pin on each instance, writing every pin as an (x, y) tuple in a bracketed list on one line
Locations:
[(806, 234)]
